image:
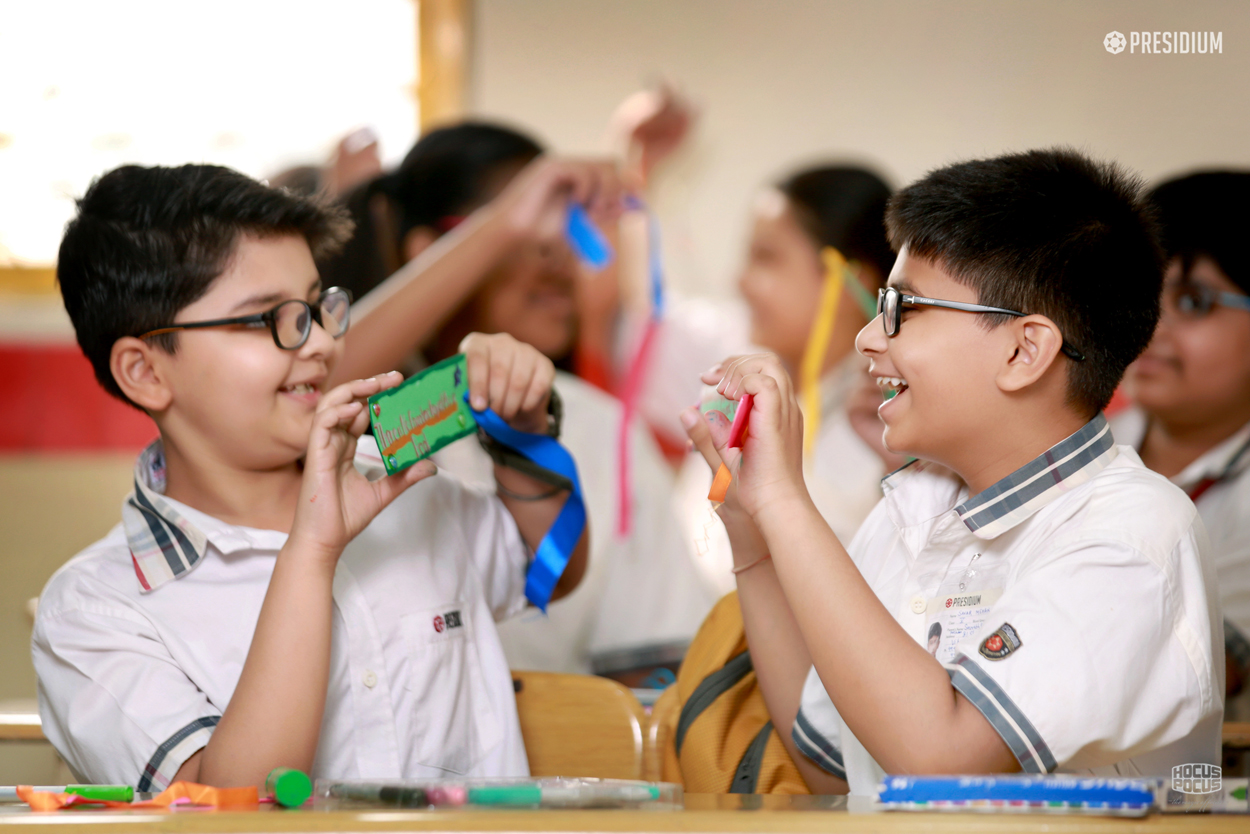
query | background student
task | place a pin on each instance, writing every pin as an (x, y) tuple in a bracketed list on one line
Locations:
[(1191, 387), (486, 190)]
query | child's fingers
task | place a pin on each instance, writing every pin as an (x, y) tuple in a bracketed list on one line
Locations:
[(500, 365), (761, 363), (477, 370), (523, 368), (700, 436), (540, 386), (390, 487)]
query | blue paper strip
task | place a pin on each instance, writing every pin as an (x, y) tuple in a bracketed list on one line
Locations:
[(552, 555), (586, 240)]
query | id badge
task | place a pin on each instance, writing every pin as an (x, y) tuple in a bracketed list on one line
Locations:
[(421, 416), (960, 609)]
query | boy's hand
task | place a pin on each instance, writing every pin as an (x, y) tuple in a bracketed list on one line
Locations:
[(510, 377), (769, 467), (337, 502)]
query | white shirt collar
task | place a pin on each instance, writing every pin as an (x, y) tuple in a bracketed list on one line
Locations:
[(1061, 468), (168, 539)]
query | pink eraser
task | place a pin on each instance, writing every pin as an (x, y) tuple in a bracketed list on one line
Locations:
[(738, 430)]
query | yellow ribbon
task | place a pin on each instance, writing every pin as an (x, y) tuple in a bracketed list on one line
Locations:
[(836, 274)]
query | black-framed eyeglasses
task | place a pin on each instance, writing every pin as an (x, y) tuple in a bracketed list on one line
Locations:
[(890, 304), (290, 322), (1195, 301)]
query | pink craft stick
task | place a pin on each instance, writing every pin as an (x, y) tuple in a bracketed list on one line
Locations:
[(738, 430)]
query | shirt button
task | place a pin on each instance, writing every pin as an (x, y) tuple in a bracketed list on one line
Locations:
[(918, 604), (371, 680)]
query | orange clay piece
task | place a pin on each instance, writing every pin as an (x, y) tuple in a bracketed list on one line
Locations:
[(190, 791)]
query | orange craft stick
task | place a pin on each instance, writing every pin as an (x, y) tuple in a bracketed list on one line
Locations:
[(720, 484), (194, 794)]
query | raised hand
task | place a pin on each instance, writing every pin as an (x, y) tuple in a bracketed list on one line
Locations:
[(770, 464), (337, 502), (535, 203)]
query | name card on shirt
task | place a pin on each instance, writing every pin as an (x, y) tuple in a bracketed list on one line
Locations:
[(421, 416)]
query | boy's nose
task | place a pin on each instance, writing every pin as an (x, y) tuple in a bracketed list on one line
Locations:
[(871, 339), (320, 342)]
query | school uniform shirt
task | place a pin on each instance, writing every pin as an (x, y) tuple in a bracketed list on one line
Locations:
[(843, 476), (1076, 603), (641, 599), (1219, 484), (139, 640)]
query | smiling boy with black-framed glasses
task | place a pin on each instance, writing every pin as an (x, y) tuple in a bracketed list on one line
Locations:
[(1079, 631)]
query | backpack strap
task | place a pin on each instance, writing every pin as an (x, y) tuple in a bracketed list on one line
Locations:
[(708, 690), (747, 776)]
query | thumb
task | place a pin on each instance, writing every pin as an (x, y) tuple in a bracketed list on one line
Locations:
[(390, 487), (701, 436)]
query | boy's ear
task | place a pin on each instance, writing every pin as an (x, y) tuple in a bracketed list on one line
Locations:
[(139, 373), (1036, 344), (417, 241)]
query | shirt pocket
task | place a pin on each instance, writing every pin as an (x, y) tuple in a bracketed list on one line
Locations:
[(454, 718)]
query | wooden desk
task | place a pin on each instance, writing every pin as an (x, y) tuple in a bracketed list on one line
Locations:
[(703, 813)]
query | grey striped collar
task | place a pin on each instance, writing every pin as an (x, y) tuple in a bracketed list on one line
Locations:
[(164, 544), (1060, 469)]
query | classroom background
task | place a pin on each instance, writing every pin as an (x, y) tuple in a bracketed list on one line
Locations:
[(902, 85)]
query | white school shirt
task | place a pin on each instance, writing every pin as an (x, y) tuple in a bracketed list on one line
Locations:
[(843, 476), (1225, 509), (140, 639), (641, 599), (1077, 605)]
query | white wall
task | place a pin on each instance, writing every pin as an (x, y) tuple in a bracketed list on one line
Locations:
[(907, 84)]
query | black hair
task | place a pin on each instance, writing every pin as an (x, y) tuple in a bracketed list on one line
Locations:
[(1047, 232), (1207, 213), (446, 175), (935, 630), (146, 242), (843, 207)]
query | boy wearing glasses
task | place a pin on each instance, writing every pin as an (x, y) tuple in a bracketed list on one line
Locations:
[(1076, 605), (261, 604), (1191, 387)]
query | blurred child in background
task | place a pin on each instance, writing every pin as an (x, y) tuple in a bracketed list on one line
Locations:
[(1191, 387), (641, 599)]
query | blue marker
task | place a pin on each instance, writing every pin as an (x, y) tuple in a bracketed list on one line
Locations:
[(586, 239)]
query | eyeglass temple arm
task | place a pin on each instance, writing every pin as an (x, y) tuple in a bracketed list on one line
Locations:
[(259, 317), (1232, 299), (1067, 349), (956, 305)]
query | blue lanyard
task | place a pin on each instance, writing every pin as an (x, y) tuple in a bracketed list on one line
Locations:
[(552, 555)]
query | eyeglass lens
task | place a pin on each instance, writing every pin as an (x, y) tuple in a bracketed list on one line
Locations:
[(293, 319), (1192, 299)]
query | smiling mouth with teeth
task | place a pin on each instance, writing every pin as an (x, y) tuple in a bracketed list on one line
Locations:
[(302, 388), (891, 386)]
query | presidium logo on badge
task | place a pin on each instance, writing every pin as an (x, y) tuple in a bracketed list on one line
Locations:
[(1001, 643), (447, 621)]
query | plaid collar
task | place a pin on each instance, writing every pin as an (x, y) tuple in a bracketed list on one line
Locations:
[(1061, 468), (164, 545)]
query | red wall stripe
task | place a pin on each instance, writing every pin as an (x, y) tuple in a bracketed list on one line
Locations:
[(50, 402)]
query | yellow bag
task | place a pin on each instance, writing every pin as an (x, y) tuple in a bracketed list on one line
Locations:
[(714, 729)]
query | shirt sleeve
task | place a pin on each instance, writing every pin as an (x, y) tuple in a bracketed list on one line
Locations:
[(114, 703), (1095, 656), (817, 730)]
